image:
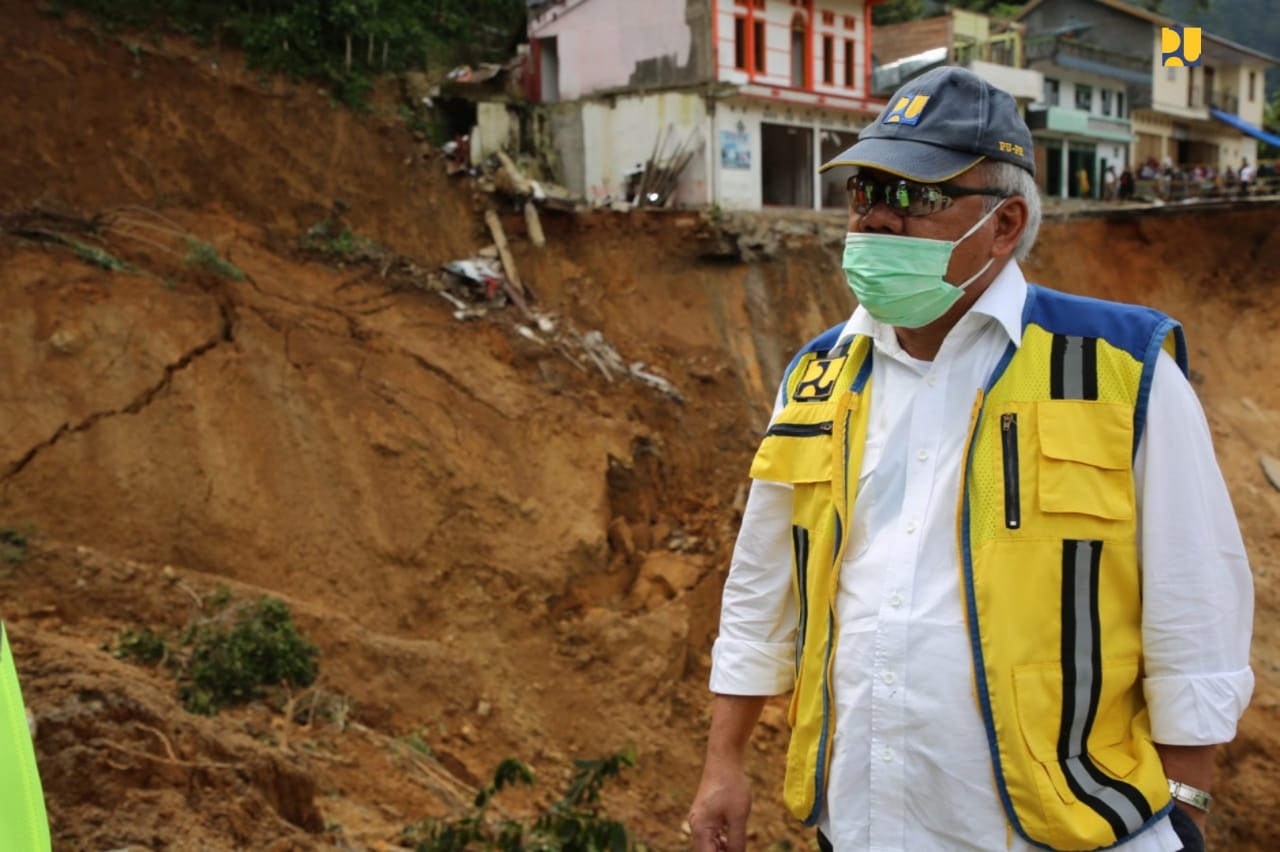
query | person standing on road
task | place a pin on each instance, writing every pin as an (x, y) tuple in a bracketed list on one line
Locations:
[(987, 547), (1246, 177)]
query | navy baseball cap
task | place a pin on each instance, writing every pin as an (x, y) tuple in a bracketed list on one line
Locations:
[(941, 124)]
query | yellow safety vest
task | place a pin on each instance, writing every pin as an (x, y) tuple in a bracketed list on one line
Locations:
[(1047, 540), (23, 824)]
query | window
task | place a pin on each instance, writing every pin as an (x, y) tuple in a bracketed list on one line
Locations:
[(1119, 104), (848, 62), (829, 19), (850, 22), (1106, 101), (740, 43), (1050, 91), (1253, 80), (1084, 97), (828, 60), (758, 46), (799, 53)]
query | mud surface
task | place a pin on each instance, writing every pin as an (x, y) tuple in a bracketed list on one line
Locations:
[(499, 551)]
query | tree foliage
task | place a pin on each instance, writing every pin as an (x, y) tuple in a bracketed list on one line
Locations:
[(342, 42)]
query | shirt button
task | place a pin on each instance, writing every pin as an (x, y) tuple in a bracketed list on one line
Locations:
[(911, 526), (887, 677), (931, 380), (896, 600), (922, 455), (887, 754)]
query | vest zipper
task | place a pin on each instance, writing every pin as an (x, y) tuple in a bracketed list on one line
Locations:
[(1012, 498), (800, 430)]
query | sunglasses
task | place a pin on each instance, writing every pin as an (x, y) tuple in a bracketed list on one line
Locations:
[(908, 198)]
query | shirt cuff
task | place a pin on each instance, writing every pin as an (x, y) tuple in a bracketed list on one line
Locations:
[(1197, 710), (739, 667)]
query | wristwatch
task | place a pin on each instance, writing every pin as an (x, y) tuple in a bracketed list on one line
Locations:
[(1193, 796)]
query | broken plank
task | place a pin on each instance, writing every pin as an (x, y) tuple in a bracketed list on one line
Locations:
[(534, 225), (504, 251)]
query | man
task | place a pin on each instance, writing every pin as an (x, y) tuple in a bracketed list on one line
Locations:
[(1246, 177), (987, 547)]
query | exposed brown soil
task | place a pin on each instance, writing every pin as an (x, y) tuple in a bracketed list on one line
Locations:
[(498, 551)]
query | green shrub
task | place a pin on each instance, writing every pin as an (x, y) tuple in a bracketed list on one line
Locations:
[(572, 824), (13, 545), (145, 646), (203, 255), (219, 665), (98, 257), (228, 667)]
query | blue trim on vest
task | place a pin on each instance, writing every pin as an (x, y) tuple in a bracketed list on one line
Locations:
[(864, 375), (820, 777), (1127, 327)]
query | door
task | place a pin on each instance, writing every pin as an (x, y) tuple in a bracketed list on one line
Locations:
[(787, 170)]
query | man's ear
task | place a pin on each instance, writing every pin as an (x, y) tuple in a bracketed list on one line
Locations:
[(1010, 220)]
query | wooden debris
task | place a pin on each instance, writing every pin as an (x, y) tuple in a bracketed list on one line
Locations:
[(519, 183), (504, 252), (534, 225)]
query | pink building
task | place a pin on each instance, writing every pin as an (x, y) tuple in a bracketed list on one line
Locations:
[(762, 91)]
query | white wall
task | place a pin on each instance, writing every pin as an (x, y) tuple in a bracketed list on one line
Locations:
[(624, 132), (599, 42), (494, 130), (1250, 110), (742, 188)]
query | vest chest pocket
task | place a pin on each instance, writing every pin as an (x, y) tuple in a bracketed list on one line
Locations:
[(1085, 459)]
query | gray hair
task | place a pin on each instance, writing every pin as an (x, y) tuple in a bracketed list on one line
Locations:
[(1016, 181)]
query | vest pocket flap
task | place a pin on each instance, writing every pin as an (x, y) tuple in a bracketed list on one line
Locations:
[(1116, 760), (1099, 434), (794, 452), (1085, 449)]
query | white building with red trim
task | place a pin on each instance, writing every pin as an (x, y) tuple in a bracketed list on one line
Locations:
[(759, 92)]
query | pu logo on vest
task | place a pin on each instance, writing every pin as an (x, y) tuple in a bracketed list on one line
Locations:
[(907, 110), (819, 380), (1180, 47)]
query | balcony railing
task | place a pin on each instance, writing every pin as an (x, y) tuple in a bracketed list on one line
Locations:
[(1225, 101), (1056, 46)]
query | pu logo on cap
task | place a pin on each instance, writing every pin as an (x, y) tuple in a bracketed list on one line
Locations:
[(1180, 47), (907, 110)]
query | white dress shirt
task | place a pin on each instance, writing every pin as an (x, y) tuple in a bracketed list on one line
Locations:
[(910, 765)]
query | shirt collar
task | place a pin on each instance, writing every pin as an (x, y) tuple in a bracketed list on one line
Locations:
[(1003, 301)]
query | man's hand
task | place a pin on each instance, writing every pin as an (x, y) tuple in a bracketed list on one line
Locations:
[(718, 818)]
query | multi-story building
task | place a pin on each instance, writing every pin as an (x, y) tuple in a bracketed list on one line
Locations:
[(990, 47), (1109, 100), (762, 91)]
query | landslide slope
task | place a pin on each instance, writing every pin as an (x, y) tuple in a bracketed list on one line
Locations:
[(498, 550)]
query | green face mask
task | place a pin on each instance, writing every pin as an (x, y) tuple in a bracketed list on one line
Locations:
[(899, 280)]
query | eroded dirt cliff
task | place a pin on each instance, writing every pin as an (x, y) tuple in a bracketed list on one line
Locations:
[(498, 551)]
